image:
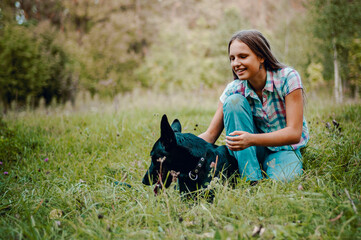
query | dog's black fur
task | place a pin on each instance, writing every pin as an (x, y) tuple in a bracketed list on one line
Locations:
[(182, 152)]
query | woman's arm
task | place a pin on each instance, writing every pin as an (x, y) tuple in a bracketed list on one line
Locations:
[(215, 127), (291, 134)]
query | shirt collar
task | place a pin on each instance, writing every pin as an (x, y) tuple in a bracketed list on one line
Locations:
[(269, 82), (248, 90), (269, 86)]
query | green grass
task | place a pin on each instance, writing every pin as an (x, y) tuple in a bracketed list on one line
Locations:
[(89, 149)]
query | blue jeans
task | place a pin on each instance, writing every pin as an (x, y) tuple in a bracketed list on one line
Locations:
[(283, 165)]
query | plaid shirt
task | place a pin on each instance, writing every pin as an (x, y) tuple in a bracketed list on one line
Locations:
[(270, 115)]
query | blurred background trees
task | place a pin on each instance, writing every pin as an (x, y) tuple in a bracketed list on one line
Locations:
[(53, 49), (336, 24)]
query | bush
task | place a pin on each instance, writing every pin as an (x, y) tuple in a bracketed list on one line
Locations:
[(32, 67), (23, 71), (60, 83)]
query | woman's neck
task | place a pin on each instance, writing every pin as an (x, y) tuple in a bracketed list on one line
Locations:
[(259, 81)]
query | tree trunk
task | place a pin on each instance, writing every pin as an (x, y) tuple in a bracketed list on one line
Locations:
[(338, 81), (357, 92)]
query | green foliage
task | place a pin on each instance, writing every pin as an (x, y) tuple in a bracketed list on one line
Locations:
[(108, 47), (61, 83), (337, 22), (354, 59), (6, 13), (23, 71), (190, 58), (315, 79), (74, 195), (33, 67), (336, 19)]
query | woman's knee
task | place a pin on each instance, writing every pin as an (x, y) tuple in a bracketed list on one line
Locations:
[(283, 166), (235, 102), (285, 174)]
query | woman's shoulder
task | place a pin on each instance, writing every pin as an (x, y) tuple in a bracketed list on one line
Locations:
[(284, 72), (286, 80), (284, 76)]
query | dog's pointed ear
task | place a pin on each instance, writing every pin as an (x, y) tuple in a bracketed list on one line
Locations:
[(167, 136), (176, 126)]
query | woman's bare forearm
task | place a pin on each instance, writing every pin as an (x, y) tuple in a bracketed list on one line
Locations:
[(215, 127), (285, 136)]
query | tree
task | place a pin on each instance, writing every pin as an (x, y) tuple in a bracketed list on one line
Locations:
[(337, 24), (355, 66)]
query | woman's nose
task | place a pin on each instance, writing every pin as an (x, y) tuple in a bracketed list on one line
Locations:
[(237, 62)]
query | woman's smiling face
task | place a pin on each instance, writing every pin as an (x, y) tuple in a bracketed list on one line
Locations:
[(244, 62)]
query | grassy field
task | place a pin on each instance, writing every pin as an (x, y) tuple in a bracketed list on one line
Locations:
[(59, 167)]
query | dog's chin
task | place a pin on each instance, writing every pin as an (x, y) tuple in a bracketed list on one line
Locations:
[(145, 181), (159, 186), (168, 183)]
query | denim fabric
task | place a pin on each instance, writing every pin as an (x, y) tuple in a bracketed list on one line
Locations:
[(282, 165)]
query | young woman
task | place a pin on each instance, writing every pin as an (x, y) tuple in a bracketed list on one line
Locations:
[(261, 111)]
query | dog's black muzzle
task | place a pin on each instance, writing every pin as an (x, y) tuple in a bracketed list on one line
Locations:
[(160, 180)]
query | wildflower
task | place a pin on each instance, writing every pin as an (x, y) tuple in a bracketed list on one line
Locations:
[(1, 163), (229, 228), (109, 228), (55, 214), (46, 159), (174, 175), (258, 230), (6, 173), (161, 160), (69, 153), (214, 183)]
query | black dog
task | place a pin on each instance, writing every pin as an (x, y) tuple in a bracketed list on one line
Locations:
[(187, 157)]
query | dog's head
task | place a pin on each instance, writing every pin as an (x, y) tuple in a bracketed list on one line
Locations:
[(162, 154), (174, 152)]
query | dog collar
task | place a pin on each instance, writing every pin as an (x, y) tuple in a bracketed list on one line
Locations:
[(193, 175)]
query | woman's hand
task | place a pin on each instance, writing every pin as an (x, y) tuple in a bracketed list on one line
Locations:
[(239, 140)]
